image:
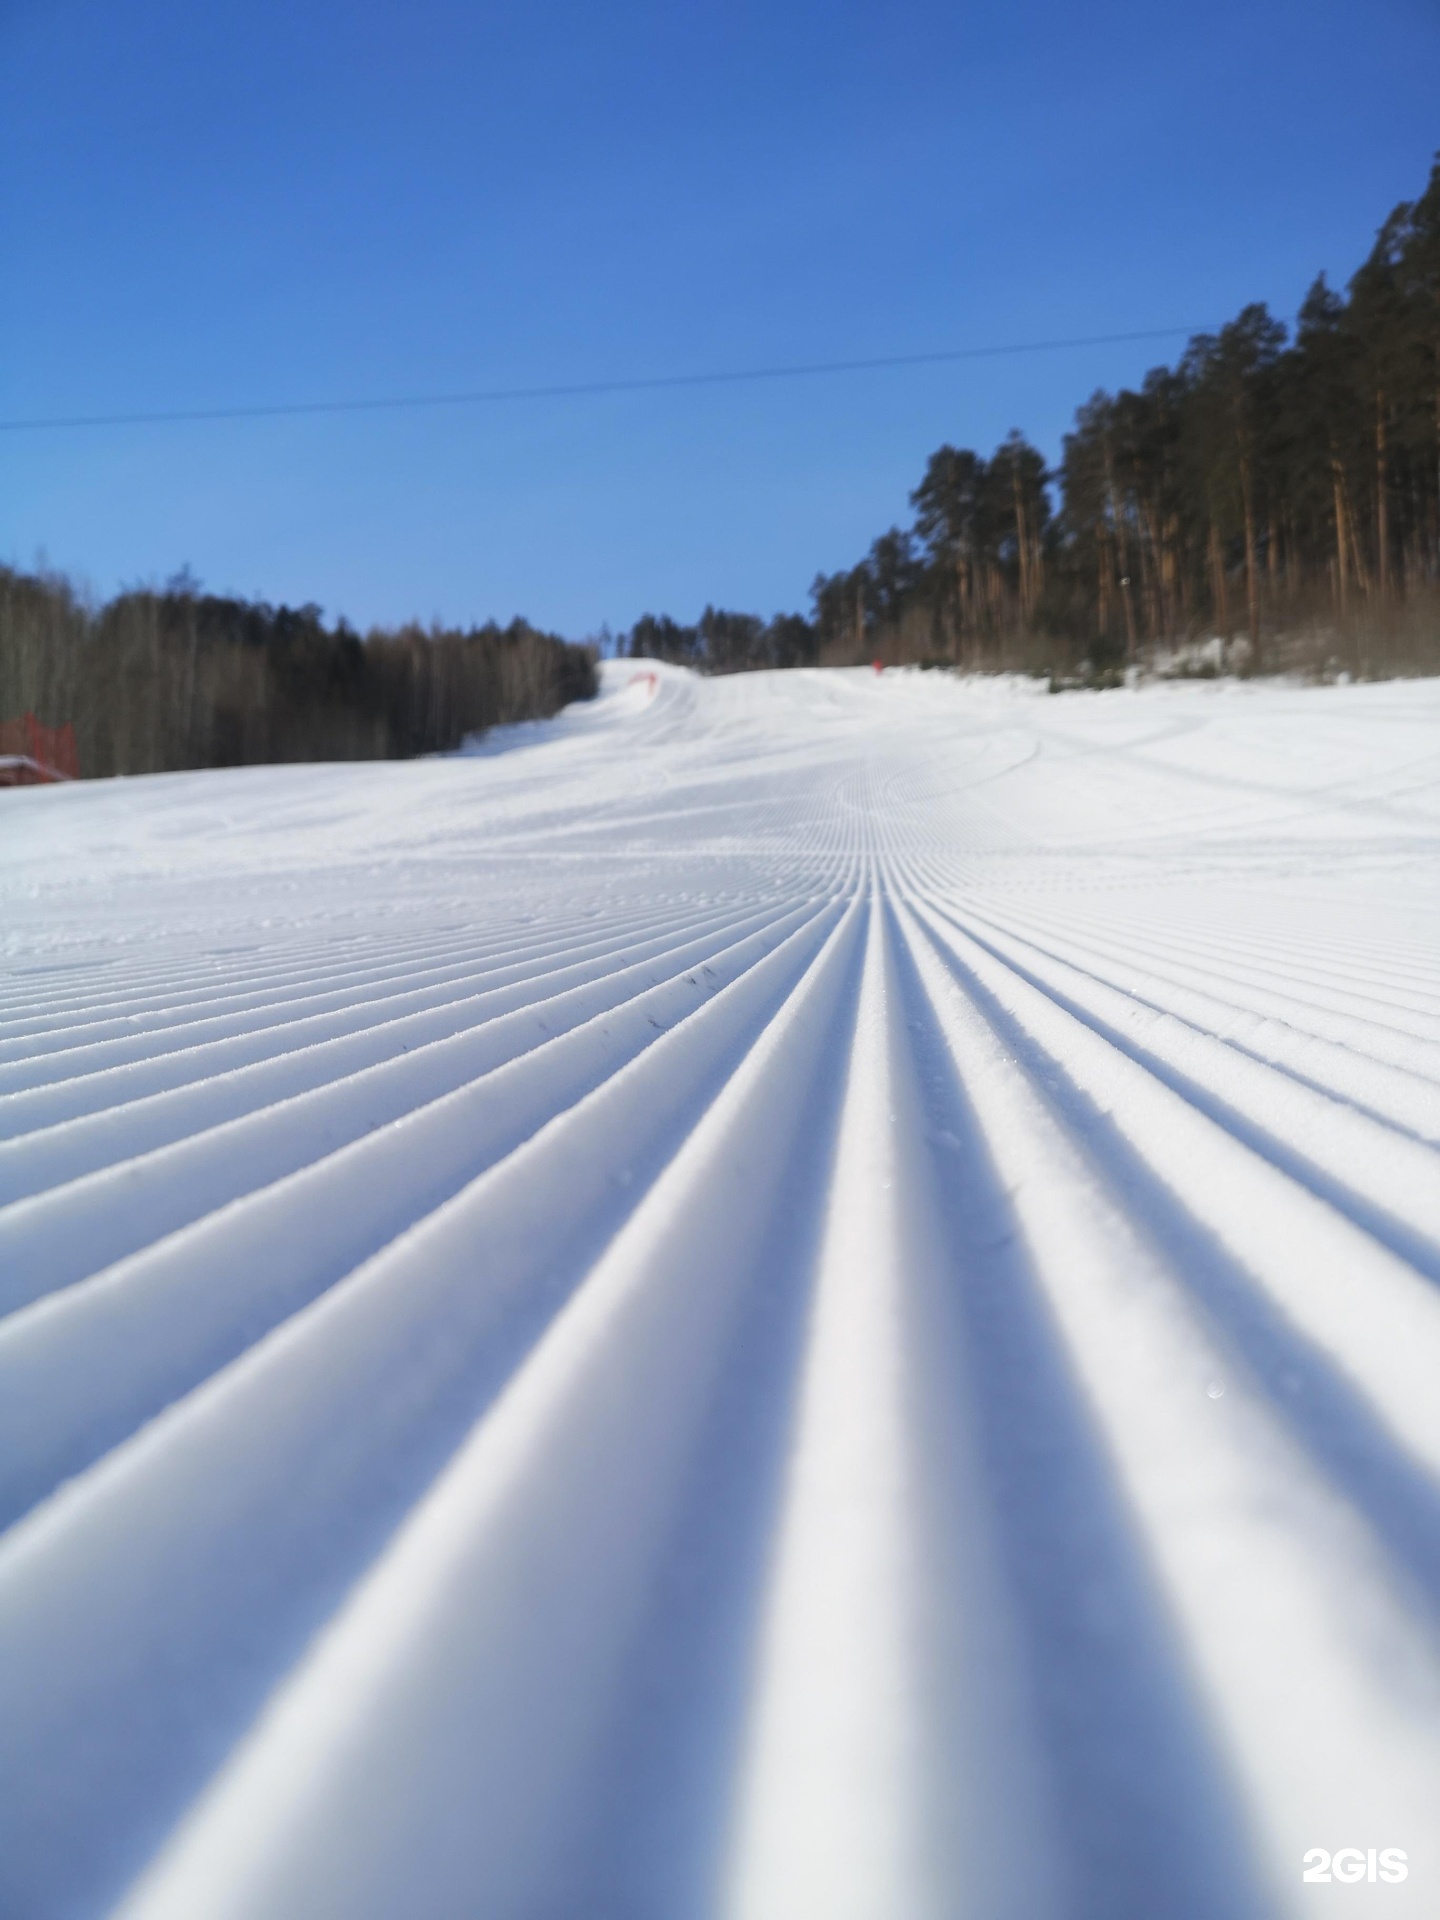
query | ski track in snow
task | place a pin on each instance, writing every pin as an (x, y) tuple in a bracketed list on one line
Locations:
[(803, 1296)]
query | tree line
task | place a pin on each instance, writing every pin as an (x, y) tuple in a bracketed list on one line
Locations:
[(1275, 493), (1271, 501), (156, 681)]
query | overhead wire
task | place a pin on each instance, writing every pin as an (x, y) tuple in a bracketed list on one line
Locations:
[(580, 389)]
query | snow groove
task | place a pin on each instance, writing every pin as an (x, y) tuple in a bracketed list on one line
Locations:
[(809, 1295)]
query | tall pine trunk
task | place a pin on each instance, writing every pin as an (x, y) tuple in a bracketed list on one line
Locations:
[(1217, 584), (1341, 571), (1382, 517), (1252, 584), (1122, 555), (1022, 543)]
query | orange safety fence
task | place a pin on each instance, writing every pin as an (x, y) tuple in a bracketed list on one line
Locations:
[(51, 749)]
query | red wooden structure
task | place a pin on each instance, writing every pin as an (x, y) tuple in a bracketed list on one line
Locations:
[(32, 753)]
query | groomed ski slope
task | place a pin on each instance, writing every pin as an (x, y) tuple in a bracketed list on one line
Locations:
[(808, 1297)]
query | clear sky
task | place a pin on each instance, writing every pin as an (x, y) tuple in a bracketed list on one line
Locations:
[(250, 201)]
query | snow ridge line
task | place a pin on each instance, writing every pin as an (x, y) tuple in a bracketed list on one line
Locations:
[(162, 1069), (87, 1362), (409, 1050), (165, 1005), (331, 1365), (945, 1404), (175, 1028)]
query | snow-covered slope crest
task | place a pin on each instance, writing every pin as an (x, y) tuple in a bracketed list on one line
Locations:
[(815, 1295)]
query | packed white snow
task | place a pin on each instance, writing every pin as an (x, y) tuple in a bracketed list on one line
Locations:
[(806, 1297)]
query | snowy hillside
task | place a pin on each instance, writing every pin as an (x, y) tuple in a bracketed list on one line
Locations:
[(805, 1296)]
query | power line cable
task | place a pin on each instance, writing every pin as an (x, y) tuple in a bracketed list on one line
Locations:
[(581, 389)]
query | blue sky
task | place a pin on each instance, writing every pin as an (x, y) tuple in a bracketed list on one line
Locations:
[(246, 203)]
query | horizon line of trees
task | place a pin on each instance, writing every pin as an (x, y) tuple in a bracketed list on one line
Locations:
[(157, 681), (1274, 495), (1277, 492)]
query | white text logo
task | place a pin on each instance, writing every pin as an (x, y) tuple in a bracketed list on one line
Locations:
[(1355, 1863)]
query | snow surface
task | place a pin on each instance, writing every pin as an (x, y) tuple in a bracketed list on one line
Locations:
[(812, 1295)]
